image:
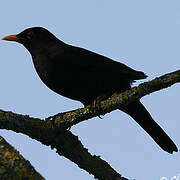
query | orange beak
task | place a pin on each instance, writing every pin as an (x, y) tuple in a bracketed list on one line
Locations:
[(11, 38)]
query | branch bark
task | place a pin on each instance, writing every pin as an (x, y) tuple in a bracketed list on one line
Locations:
[(68, 119), (53, 131), (13, 165)]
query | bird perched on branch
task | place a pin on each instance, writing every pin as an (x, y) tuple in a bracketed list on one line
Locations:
[(85, 76)]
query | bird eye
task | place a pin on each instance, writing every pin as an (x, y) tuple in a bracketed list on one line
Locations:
[(30, 35)]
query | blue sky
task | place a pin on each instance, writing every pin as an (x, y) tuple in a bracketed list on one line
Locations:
[(144, 35)]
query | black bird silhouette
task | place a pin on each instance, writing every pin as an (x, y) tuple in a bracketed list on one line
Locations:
[(85, 76)]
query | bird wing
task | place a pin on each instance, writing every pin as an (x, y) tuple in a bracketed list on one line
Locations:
[(90, 62)]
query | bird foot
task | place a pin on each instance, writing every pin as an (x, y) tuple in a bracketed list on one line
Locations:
[(97, 104)]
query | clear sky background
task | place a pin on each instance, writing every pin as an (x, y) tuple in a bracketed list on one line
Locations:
[(144, 35)]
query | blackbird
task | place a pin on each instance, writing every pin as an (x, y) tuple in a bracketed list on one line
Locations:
[(86, 76)]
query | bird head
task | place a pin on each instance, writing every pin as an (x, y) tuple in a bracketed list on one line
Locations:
[(34, 36)]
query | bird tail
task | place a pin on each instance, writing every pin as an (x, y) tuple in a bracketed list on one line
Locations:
[(139, 113)]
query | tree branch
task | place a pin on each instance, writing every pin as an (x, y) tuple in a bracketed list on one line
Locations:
[(65, 142), (53, 131), (68, 119), (13, 165)]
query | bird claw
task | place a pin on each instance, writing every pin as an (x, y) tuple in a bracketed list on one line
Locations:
[(97, 104)]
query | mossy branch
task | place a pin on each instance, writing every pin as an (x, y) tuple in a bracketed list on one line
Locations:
[(68, 119), (13, 165), (53, 131)]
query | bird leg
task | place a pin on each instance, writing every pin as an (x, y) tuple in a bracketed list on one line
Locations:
[(97, 102)]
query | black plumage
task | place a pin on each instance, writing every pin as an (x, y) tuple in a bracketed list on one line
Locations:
[(85, 76)]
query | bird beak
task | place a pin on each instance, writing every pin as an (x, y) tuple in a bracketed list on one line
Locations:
[(11, 38)]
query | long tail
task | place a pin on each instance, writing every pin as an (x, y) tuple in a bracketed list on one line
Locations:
[(139, 113)]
